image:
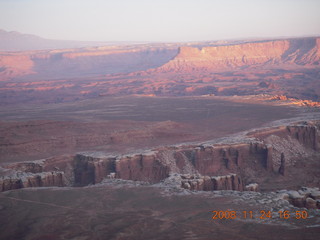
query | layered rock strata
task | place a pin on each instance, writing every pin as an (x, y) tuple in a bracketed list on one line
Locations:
[(209, 166), (293, 51), (206, 183), (18, 180)]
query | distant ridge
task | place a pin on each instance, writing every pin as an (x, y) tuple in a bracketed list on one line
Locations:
[(298, 51), (15, 41)]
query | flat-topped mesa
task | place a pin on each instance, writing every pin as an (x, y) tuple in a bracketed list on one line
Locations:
[(49, 64), (155, 166), (296, 51)]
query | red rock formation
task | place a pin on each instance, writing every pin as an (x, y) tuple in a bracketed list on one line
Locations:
[(206, 183), (45, 179), (190, 58), (296, 51), (223, 159), (304, 198), (276, 67), (82, 62), (156, 166), (141, 167), (25, 180), (212, 166), (307, 134), (10, 184), (91, 170)]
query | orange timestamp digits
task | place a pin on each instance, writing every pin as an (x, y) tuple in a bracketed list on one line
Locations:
[(224, 214), (230, 214), (297, 214)]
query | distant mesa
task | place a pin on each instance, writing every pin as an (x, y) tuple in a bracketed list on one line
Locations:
[(274, 67), (304, 51)]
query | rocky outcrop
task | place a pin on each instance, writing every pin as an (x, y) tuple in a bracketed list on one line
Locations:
[(10, 184), (289, 144), (18, 180), (143, 167), (306, 133), (91, 170), (304, 198), (208, 166), (155, 166), (212, 159), (206, 183), (137, 167)]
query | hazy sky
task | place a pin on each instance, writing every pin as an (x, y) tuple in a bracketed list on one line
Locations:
[(160, 20)]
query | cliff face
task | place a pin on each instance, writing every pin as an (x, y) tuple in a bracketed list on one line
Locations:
[(82, 62), (212, 162), (306, 134), (91, 170), (39, 173), (290, 143), (223, 159), (142, 168), (201, 167), (206, 183), (274, 67), (115, 59), (296, 51), (23, 180)]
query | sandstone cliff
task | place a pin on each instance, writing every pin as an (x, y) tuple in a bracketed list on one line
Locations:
[(206, 183), (50, 64), (294, 142), (272, 152), (295, 51), (275, 67), (18, 180)]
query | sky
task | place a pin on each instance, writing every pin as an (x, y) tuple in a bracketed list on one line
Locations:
[(161, 20)]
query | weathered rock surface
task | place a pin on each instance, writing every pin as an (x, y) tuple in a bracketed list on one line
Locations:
[(18, 180), (207, 167), (206, 183), (91, 170), (290, 143), (304, 198)]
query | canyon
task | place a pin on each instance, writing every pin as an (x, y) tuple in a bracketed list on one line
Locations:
[(287, 67), (219, 166), (150, 138)]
